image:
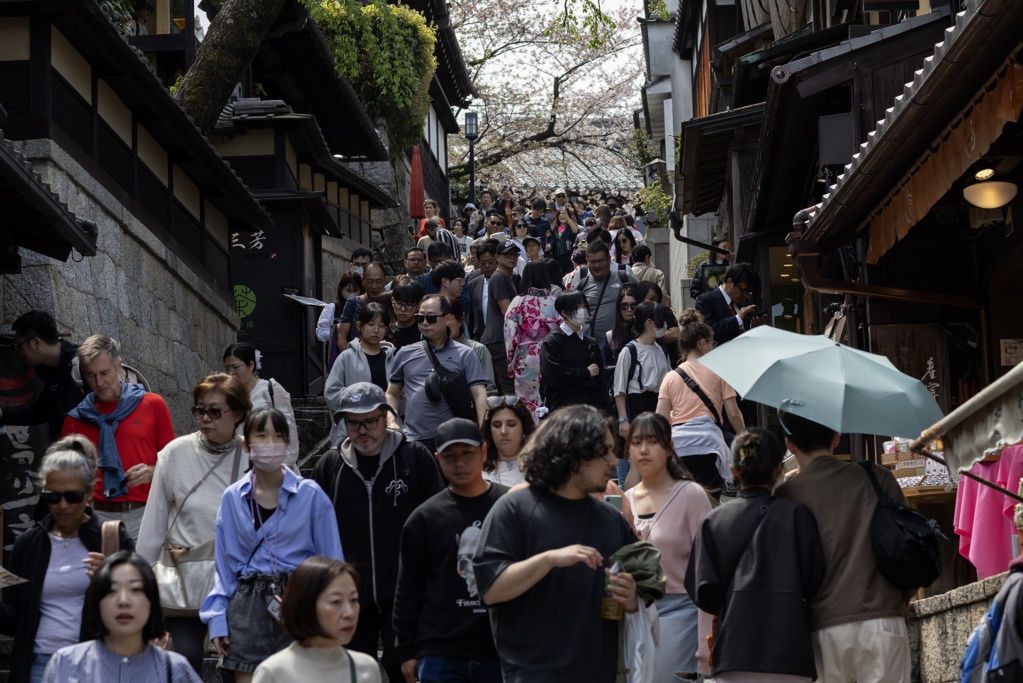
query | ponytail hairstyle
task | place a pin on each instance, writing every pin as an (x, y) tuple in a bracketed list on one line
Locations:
[(694, 330), (756, 454), (650, 310)]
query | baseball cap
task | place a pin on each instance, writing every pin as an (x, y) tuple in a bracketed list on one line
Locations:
[(458, 430), (508, 247), (469, 205), (530, 238), (361, 398)]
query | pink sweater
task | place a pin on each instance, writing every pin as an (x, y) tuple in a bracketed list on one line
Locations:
[(673, 528)]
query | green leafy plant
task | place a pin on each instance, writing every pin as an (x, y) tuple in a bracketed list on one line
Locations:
[(695, 263), (657, 9), (387, 53), (656, 202)]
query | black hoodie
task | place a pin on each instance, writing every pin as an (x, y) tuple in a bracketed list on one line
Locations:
[(406, 477)]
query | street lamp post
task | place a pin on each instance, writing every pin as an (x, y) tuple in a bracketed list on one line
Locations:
[(471, 133)]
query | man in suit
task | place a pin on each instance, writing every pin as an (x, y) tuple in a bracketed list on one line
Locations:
[(725, 308)]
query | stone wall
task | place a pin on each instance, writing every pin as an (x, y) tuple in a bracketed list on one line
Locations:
[(172, 326), (940, 626)]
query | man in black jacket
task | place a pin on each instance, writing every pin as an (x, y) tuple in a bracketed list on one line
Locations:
[(442, 629), (725, 309), (570, 361), (375, 479), (37, 343)]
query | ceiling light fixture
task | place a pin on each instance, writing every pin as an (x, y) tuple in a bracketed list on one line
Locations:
[(991, 194), (984, 174)]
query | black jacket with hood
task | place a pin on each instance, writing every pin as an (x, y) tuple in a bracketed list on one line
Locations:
[(19, 611), (371, 514)]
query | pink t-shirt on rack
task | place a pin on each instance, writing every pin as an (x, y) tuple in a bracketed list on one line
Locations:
[(1010, 471), (985, 533)]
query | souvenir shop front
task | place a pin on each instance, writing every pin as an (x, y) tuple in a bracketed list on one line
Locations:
[(918, 244)]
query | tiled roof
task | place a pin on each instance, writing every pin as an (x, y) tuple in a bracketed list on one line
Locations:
[(936, 78)]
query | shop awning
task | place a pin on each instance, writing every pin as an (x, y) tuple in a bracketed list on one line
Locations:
[(704, 161), (890, 168)]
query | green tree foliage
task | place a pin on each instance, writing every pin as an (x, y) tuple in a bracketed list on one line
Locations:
[(387, 53), (657, 202)]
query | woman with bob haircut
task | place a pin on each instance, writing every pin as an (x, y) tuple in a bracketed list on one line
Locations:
[(122, 616), (667, 508), (320, 612), (177, 535), (506, 426), (269, 522), (57, 556)]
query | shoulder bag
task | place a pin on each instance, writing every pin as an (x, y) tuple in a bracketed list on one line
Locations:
[(702, 395), (905, 542), (175, 595), (110, 537), (450, 387)]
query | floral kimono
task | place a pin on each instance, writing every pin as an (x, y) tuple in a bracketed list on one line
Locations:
[(529, 319)]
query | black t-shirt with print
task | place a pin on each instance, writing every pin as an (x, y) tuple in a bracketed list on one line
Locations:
[(437, 609), (553, 632)]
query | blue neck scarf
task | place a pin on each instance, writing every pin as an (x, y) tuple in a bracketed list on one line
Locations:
[(109, 458)]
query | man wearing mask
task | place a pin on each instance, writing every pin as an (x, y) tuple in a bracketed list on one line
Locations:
[(570, 361), (600, 284), (361, 258), (129, 427), (375, 479)]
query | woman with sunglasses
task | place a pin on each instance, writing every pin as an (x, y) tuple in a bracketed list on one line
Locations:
[(530, 317), (177, 535), (624, 244), (120, 620), (244, 361), (622, 333), (506, 427), (57, 556), (695, 416), (268, 523)]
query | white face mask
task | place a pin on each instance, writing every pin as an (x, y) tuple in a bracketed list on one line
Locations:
[(268, 457), (357, 269), (659, 334), (348, 295), (580, 317)]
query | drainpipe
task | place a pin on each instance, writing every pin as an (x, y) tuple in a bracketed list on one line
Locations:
[(807, 260)]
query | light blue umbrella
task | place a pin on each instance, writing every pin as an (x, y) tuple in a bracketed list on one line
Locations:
[(849, 390)]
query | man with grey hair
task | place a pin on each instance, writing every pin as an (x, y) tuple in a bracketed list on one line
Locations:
[(128, 425), (435, 232)]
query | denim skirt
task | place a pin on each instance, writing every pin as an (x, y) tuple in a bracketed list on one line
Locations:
[(253, 632)]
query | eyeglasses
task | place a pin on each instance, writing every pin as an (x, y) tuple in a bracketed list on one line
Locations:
[(233, 369), (430, 318), (494, 223), (213, 413), (498, 401), (362, 425), (626, 306), (402, 306), (54, 497)]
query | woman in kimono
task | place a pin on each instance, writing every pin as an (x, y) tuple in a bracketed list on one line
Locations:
[(530, 317), (758, 556)]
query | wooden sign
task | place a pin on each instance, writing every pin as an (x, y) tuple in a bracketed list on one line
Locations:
[(920, 351)]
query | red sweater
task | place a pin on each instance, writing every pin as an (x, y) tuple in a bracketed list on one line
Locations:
[(139, 438)]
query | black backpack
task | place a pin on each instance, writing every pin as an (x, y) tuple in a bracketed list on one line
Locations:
[(905, 542), (450, 387)]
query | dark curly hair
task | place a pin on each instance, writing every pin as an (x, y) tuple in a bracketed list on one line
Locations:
[(528, 427), (568, 437)]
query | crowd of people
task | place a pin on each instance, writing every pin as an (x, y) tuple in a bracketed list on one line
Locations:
[(532, 478)]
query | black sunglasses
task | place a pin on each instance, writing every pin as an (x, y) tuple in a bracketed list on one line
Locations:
[(427, 318), (626, 306), (214, 413), (72, 497)]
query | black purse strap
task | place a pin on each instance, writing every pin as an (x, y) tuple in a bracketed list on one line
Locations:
[(695, 388), (600, 301), (868, 467), (437, 367)]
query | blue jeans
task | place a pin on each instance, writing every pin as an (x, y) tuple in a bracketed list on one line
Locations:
[(39, 663), (441, 669)]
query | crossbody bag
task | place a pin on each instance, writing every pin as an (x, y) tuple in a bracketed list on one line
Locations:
[(174, 593), (702, 395)]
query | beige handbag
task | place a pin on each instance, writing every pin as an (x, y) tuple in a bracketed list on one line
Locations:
[(181, 591)]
